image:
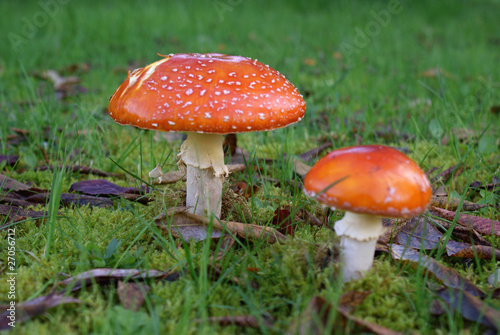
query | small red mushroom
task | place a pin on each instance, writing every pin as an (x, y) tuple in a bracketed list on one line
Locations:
[(206, 95), (369, 182)]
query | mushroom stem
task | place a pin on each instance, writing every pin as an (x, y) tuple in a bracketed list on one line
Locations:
[(202, 158), (359, 234)]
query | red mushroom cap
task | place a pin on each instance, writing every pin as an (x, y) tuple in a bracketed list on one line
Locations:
[(209, 93), (376, 180)]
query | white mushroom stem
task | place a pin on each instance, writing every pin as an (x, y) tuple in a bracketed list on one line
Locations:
[(202, 158), (359, 234)]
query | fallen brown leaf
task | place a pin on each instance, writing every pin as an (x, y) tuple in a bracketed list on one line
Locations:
[(471, 307), (104, 276), (308, 156), (10, 184), (449, 277), (318, 319), (481, 225), (453, 203), (466, 250), (28, 309), (299, 167), (132, 294), (422, 234), (284, 221), (437, 72), (248, 231), (170, 177), (79, 169), (102, 187), (181, 226), (10, 160), (17, 214), (350, 300), (241, 188)]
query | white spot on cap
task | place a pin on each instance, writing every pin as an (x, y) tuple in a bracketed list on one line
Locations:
[(225, 118), (226, 91), (202, 92), (217, 93), (171, 123), (174, 70), (189, 91), (261, 116), (249, 127), (164, 78), (154, 124), (208, 116)]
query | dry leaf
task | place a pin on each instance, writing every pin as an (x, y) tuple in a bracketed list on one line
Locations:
[(481, 225), (241, 188), (300, 167), (423, 235), (28, 309), (10, 160), (181, 226), (309, 61), (317, 319), (170, 177), (17, 214), (353, 299), (308, 156), (449, 277), (248, 231), (132, 294), (59, 81), (466, 250), (283, 221), (471, 307), (9, 184), (102, 187), (452, 204), (79, 169), (437, 72), (104, 276), (418, 234)]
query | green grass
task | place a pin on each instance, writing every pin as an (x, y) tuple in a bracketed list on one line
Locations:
[(376, 95)]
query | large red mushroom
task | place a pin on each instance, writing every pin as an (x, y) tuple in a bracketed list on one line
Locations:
[(206, 95)]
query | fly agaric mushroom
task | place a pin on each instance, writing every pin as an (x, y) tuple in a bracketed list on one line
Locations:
[(206, 95), (369, 182)]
